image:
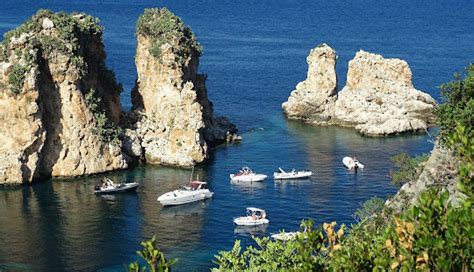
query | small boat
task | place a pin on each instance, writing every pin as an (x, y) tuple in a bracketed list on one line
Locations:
[(246, 174), (281, 174), (255, 216), (193, 191), (109, 187), (352, 163), (285, 236)]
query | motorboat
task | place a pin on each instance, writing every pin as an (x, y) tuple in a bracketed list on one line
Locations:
[(352, 163), (254, 217), (285, 236), (194, 190), (281, 174), (109, 187), (191, 192), (246, 174)]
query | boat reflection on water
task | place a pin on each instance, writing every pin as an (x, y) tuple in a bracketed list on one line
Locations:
[(249, 231), (247, 186), (195, 208)]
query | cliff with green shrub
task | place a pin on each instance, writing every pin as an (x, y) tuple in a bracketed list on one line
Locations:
[(59, 103), (174, 118)]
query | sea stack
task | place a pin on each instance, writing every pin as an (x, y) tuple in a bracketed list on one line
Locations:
[(314, 97), (59, 103), (379, 99), (174, 118)]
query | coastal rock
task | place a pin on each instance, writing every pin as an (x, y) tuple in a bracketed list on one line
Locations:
[(440, 170), (314, 97), (176, 122), (378, 99), (58, 102)]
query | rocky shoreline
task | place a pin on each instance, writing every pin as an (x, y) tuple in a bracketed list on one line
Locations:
[(379, 97)]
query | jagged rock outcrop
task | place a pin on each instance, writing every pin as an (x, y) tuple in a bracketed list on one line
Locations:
[(314, 98), (175, 119), (378, 99), (441, 170), (58, 102)]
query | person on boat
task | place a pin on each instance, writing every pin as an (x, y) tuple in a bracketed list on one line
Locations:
[(254, 217)]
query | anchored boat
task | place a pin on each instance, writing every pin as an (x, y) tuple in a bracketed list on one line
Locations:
[(246, 174), (352, 163), (281, 174), (109, 187), (255, 216)]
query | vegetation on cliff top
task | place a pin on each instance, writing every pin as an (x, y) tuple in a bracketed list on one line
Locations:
[(162, 26)]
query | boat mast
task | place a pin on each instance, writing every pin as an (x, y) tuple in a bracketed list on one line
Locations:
[(192, 173)]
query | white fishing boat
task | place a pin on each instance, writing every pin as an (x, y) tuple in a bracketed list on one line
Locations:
[(352, 163), (285, 236), (293, 174), (246, 174), (255, 216), (109, 187)]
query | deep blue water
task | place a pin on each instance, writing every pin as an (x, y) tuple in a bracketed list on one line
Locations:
[(254, 55)]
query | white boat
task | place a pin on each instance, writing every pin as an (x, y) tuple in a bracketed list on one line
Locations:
[(281, 174), (246, 174), (191, 192), (255, 216), (109, 187), (352, 163), (285, 236)]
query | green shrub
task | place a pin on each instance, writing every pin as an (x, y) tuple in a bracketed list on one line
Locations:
[(16, 78), (369, 209), (309, 251), (162, 26), (458, 103), (104, 127), (154, 258), (408, 168)]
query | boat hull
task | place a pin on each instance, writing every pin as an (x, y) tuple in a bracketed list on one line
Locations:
[(298, 175), (248, 178), (178, 198), (128, 187), (248, 221)]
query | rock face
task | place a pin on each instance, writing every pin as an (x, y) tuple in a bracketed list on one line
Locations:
[(314, 98), (58, 102), (440, 170), (175, 121), (378, 99)]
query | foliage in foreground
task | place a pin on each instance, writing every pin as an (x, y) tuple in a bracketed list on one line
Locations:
[(431, 235), (154, 258), (458, 104)]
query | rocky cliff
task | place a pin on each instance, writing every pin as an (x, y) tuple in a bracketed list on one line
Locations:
[(58, 101), (174, 120), (441, 170), (378, 99)]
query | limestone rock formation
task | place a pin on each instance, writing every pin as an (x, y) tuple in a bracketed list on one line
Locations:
[(378, 99), (314, 98), (58, 101), (175, 118)]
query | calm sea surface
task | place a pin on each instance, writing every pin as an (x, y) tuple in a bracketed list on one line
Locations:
[(254, 55)]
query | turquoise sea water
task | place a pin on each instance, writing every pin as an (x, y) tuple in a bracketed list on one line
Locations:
[(254, 55)]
